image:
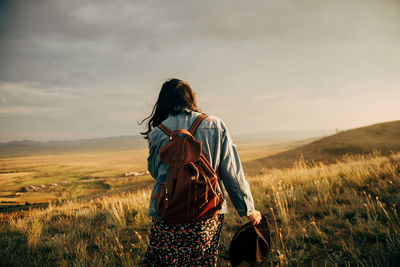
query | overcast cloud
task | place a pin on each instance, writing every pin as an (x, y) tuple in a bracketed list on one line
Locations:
[(75, 69)]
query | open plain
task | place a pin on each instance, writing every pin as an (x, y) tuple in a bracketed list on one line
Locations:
[(90, 208)]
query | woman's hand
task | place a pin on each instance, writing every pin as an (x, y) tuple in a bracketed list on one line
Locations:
[(255, 217)]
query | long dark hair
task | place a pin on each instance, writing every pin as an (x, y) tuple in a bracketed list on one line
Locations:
[(175, 96)]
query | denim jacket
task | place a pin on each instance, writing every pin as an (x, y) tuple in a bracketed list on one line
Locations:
[(217, 147)]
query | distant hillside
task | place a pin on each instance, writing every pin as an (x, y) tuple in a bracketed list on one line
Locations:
[(29, 147), (279, 136), (384, 137)]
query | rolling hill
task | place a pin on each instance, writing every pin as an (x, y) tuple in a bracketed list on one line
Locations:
[(383, 137), (279, 136)]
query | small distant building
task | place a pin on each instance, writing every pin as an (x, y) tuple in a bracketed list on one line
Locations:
[(132, 174), (137, 173)]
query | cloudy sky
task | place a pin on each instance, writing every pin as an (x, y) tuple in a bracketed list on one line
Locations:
[(81, 69)]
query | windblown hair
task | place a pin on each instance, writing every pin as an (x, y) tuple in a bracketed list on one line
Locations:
[(175, 95)]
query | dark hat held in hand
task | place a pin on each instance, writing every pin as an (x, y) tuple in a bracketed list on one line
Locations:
[(250, 243)]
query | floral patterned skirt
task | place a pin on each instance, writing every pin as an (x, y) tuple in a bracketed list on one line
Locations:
[(189, 244)]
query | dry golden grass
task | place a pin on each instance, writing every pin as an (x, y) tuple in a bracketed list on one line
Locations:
[(112, 162), (85, 174), (343, 214), (71, 171), (253, 151), (384, 137)]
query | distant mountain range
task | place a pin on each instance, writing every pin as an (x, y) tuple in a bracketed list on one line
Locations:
[(125, 142), (30, 147), (383, 137)]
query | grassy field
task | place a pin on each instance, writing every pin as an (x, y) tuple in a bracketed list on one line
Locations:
[(70, 175), (384, 137), (340, 214), (66, 176)]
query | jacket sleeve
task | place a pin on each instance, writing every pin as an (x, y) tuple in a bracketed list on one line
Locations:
[(232, 175), (153, 161)]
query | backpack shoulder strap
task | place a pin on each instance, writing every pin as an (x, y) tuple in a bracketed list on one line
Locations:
[(196, 123), (165, 129)]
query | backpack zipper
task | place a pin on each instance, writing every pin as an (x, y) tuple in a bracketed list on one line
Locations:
[(166, 196)]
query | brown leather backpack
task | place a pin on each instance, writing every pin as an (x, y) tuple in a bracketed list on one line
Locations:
[(191, 191)]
